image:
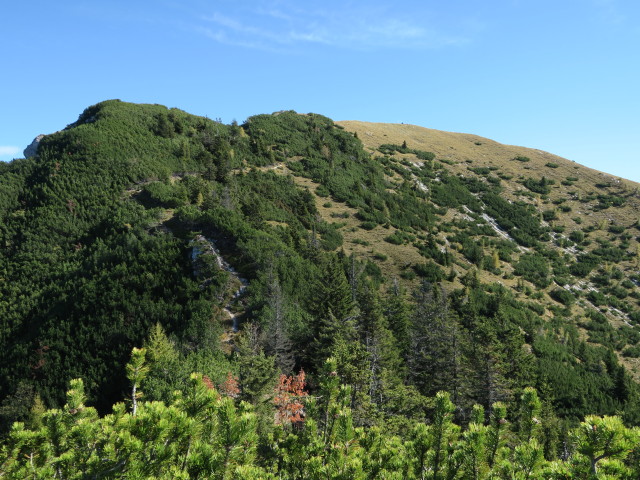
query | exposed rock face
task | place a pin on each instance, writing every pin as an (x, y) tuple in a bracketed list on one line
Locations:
[(32, 149)]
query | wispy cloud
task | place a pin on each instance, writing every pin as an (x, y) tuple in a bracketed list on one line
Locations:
[(8, 150), (279, 25)]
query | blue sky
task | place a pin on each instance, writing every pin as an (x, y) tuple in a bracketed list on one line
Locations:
[(561, 75)]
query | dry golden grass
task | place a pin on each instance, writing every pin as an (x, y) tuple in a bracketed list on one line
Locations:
[(466, 150), (460, 151)]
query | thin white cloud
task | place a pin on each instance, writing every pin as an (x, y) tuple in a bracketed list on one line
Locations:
[(222, 37), (242, 32), (275, 13), (282, 26), (9, 150)]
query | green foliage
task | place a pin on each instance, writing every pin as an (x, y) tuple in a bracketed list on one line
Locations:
[(399, 238), (606, 201), (99, 256), (368, 225), (535, 268), (202, 434), (429, 271), (599, 443), (454, 192), (633, 352), (199, 435), (435, 357), (137, 370), (548, 215), (88, 272), (518, 220), (166, 194), (576, 236), (585, 263), (541, 186), (563, 296), (331, 237), (390, 149), (336, 159)]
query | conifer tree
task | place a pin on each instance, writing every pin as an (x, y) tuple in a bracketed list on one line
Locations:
[(473, 448), (529, 421), (498, 428), (334, 311), (223, 157), (275, 316), (435, 361), (165, 369), (488, 378), (257, 372), (379, 342), (164, 127), (331, 332), (137, 370), (333, 292), (601, 443), (396, 310)]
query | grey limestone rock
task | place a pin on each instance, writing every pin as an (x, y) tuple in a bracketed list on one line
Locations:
[(32, 149)]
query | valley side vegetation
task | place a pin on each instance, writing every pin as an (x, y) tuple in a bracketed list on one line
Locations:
[(226, 301)]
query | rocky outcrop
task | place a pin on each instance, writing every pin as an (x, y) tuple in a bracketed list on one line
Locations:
[(32, 149)]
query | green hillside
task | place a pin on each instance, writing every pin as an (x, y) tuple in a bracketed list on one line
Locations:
[(417, 261)]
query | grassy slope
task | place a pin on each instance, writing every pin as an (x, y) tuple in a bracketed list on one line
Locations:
[(462, 151)]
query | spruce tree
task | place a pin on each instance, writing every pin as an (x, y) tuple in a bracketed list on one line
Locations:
[(397, 312), (373, 329), (257, 374), (436, 361), (333, 292), (166, 372), (223, 157), (333, 309), (275, 316)]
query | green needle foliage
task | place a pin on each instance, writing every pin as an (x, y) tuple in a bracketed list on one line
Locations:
[(203, 434), (144, 229)]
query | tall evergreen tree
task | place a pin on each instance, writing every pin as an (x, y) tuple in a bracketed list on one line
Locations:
[(166, 373), (489, 381), (257, 370), (333, 292), (380, 343), (277, 339), (223, 157), (397, 311), (334, 311), (435, 360)]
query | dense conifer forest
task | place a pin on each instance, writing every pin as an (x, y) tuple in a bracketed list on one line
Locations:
[(226, 301)]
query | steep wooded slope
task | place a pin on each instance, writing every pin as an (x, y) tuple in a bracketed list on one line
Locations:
[(415, 268)]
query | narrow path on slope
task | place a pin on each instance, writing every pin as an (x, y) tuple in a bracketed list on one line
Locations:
[(206, 246)]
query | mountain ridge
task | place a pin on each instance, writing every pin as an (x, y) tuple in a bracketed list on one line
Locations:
[(441, 142), (347, 233)]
